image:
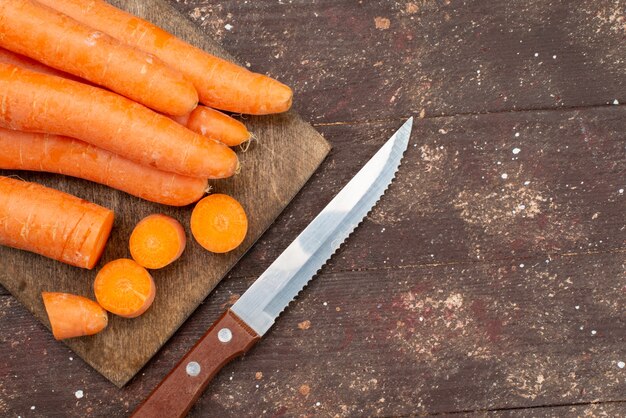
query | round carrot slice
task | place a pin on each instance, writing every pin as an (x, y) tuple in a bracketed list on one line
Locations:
[(219, 223), (124, 288), (157, 241)]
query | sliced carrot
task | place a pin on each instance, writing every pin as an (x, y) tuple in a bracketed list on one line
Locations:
[(219, 223), (73, 316), (215, 124), (220, 83), (46, 35), (157, 241), (124, 288), (52, 223), (36, 102), (63, 155)]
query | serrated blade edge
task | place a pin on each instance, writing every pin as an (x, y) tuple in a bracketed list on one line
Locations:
[(270, 294)]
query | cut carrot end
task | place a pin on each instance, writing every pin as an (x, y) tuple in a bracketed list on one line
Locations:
[(219, 223), (52, 223), (124, 288), (73, 316), (100, 240), (157, 241)]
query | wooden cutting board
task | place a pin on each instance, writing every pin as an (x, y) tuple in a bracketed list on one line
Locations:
[(275, 167)]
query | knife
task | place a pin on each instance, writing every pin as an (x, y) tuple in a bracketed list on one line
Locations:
[(241, 326)]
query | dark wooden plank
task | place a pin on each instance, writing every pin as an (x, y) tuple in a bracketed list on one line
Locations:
[(518, 323), (441, 56), (593, 155), (450, 202), (547, 333), (608, 409), (515, 333), (268, 181)]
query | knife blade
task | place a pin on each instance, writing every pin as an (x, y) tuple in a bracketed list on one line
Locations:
[(240, 327)]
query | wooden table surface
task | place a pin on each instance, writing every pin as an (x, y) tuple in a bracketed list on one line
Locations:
[(490, 280)]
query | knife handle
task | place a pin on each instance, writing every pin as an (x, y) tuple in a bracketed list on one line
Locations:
[(228, 338)]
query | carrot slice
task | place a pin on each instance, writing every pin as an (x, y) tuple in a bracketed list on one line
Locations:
[(219, 223), (220, 83), (71, 157), (52, 223), (73, 316), (51, 37), (124, 288), (215, 124), (157, 241)]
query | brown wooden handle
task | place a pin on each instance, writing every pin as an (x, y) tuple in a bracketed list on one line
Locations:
[(228, 337)]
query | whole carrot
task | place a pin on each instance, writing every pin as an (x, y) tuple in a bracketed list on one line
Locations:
[(220, 83), (22, 61), (48, 36), (68, 156), (215, 124), (52, 223), (202, 120), (36, 102)]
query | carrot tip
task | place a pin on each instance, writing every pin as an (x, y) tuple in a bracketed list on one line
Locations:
[(283, 97), (245, 145)]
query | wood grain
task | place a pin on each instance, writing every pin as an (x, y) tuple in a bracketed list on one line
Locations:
[(564, 171), (381, 59), (274, 168), (512, 318), (372, 357), (594, 409), (517, 337)]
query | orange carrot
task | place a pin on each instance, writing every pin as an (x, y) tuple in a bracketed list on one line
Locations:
[(220, 83), (22, 61), (124, 288), (36, 102), (32, 29), (71, 157), (219, 223), (157, 241), (52, 223), (202, 120), (73, 316), (214, 124)]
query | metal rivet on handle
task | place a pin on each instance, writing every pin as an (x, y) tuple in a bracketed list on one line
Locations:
[(193, 368), (224, 335)]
